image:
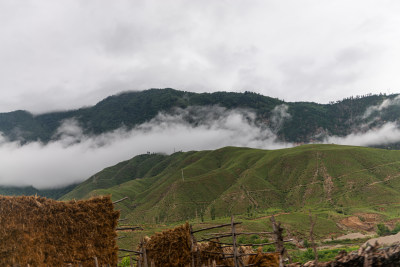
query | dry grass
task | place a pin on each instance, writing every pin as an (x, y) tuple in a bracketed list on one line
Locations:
[(43, 232), (171, 247)]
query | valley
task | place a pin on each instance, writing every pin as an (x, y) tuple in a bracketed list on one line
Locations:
[(350, 189), (192, 133)]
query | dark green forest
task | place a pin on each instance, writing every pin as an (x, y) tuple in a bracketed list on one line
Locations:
[(31, 191), (308, 121)]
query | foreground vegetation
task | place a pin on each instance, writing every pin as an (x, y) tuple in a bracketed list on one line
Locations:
[(324, 255), (299, 250)]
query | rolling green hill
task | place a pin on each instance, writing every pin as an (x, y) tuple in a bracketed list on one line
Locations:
[(235, 180)]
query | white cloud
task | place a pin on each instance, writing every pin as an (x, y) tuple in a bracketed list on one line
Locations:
[(75, 156), (386, 134), (384, 105), (280, 114)]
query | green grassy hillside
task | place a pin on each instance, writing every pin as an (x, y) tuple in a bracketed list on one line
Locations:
[(235, 180)]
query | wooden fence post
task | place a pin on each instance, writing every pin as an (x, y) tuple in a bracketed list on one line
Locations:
[(145, 264), (140, 260), (235, 252), (96, 263), (192, 245), (312, 222), (278, 239)]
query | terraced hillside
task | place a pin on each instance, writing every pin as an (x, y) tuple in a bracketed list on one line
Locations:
[(236, 180)]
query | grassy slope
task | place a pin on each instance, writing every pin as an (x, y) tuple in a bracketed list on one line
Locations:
[(323, 178)]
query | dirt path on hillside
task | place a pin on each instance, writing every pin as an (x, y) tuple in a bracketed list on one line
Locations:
[(269, 216), (371, 168), (388, 178), (354, 236)]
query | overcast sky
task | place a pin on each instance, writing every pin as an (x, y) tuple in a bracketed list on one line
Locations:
[(72, 53), (57, 55)]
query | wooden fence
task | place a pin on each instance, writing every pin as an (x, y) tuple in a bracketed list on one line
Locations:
[(237, 255), (141, 259)]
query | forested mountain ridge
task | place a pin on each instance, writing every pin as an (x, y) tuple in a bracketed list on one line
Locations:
[(54, 193), (304, 121)]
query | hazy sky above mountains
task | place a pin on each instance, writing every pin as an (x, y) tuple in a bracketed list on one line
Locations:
[(68, 54)]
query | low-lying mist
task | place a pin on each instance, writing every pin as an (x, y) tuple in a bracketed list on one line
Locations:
[(388, 133), (74, 156)]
